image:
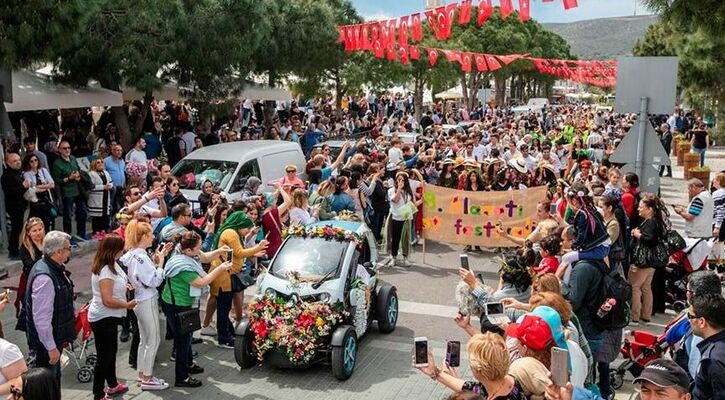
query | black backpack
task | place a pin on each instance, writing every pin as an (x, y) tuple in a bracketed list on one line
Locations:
[(613, 286)]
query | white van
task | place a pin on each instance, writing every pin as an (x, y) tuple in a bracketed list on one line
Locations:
[(228, 165)]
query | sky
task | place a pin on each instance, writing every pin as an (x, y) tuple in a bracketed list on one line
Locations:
[(542, 12)]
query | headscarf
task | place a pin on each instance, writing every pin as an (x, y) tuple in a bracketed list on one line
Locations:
[(236, 220)]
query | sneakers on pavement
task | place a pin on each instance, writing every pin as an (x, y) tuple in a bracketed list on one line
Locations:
[(226, 345), (154, 384), (402, 262), (195, 369), (208, 330), (188, 382), (119, 389)]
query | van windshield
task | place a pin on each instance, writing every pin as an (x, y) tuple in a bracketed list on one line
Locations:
[(193, 173)]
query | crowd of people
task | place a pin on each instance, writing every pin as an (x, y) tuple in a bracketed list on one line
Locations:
[(157, 254)]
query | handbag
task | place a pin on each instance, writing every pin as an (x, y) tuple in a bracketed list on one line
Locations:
[(187, 321), (674, 241)]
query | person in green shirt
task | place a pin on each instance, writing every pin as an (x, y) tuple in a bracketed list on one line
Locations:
[(185, 283), (66, 174)]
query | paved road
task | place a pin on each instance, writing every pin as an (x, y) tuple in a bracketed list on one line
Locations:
[(383, 370)]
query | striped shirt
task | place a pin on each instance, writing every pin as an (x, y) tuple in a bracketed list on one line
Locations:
[(719, 202)]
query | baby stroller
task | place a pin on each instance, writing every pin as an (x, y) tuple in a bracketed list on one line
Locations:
[(639, 348), (78, 350), (682, 264)]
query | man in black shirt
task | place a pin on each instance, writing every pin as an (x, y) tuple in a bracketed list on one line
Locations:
[(14, 187)]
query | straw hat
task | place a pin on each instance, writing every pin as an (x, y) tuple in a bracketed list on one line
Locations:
[(519, 165)]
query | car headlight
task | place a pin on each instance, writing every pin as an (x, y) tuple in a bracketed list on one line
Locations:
[(270, 292), (325, 297)]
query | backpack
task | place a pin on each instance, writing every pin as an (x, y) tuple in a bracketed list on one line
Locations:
[(613, 286)]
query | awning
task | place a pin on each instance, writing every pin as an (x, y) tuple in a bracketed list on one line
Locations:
[(170, 91), (452, 93), (251, 90), (34, 91)]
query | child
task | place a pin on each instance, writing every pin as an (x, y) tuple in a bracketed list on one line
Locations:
[(591, 241), (549, 247)]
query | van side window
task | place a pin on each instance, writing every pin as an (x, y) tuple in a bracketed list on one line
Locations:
[(250, 168)]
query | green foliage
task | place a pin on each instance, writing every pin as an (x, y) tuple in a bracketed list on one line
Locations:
[(30, 29), (656, 42)]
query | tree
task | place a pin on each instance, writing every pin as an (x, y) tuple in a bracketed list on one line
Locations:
[(30, 29), (143, 43)]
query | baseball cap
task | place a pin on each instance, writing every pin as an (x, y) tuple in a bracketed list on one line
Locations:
[(553, 320), (532, 332), (664, 373)]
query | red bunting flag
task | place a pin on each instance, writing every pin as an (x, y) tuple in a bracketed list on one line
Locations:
[(391, 34), (357, 41), (506, 8), (431, 17), (452, 55), (365, 32), (450, 15), (440, 20), (403, 32), (570, 4), (485, 9), (416, 27), (378, 50), (348, 38), (384, 35), (492, 62), (403, 55), (432, 56), (480, 62), (464, 12), (390, 54), (414, 53), (506, 60), (466, 61), (524, 10)]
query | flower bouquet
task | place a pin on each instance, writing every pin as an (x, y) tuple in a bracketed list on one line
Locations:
[(347, 215), (327, 232), (297, 327)]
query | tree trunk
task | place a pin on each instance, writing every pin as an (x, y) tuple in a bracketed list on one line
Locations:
[(270, 106), (500, 83), (418, 88), (121, 120), (138, 126), (464, 90), (339, 92)]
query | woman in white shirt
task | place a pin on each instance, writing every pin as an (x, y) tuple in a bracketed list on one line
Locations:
[(300, 213), (402, 210), (107, 307), (12, 362), (43, 184), (145, 276)]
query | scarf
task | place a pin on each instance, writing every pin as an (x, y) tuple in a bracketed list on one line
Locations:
[(236, 220)]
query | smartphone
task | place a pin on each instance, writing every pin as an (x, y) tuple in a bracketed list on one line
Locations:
[(453, 353), (559, 366), (421, 351), (464, 262), (494, 308), (230, 256)]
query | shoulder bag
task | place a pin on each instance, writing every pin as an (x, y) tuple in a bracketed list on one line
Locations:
[(185, 322)]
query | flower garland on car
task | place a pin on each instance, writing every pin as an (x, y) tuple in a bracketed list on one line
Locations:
[(327, 232), (296, 327)]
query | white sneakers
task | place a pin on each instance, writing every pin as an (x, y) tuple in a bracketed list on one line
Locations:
[(154, 384), (209, 330), (402, 262)]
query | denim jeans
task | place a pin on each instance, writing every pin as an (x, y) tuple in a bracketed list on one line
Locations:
[(701, 152), (224, 327), (182, 342), (79, 204)]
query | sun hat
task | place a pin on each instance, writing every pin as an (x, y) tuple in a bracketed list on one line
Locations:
[(519, 165)]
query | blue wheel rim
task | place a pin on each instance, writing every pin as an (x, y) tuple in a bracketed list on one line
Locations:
[(350, 354), (392, 310)]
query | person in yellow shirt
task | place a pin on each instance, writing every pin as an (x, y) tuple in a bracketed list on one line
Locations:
[(232, 233)]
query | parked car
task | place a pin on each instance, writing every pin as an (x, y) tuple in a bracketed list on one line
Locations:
[(326, 268), (535, 105), (229, 165)]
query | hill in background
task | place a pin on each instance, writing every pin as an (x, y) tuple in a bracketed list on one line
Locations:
[(604, 37)]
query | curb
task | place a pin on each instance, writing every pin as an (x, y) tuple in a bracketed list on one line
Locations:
[(12, 268)]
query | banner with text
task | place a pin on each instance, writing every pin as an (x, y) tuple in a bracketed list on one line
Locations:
[(470, 218)]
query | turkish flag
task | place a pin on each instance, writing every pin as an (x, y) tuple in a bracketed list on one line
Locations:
[(416, 27), (403, 32), (485, 9), (506, 8), (403, 55), (391, 54), (466, 59), (357, 42), (506, 60), (391, 34), (414, 52), (378, 50), (365, 32), (452, 55), (448, 21), (480, 62), (374, 34), (570, 4), (464, 12), (432, 56), (524, 10), (493, 63), (348, 38)]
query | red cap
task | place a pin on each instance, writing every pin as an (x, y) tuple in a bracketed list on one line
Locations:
[(533, 332)]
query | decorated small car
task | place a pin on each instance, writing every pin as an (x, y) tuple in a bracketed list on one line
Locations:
[(317, 299)]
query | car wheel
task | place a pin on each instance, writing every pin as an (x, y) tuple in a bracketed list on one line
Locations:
[(344, 357), (85, 374), (386, 309), (243, 353)]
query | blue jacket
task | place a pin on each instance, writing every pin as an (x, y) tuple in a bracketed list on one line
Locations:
[(342, 201), (710, 379)]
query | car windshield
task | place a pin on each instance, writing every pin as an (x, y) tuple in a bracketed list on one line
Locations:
[(193, 173), (310, 258)]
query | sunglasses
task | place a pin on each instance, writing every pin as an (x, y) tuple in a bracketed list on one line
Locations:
[(692, 316), (289, 171), (136, 194)]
